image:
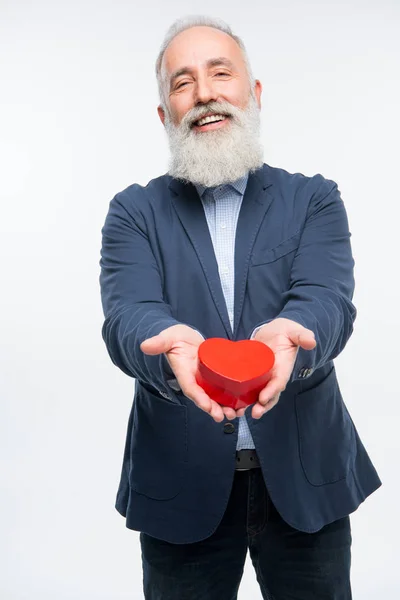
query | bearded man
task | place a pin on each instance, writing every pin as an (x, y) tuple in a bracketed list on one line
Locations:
[(227, 246)]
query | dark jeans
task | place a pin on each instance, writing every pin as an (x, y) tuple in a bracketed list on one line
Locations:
[(289, 564)]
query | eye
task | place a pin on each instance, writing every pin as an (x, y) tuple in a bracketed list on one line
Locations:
[(181, 84), (222, 74)]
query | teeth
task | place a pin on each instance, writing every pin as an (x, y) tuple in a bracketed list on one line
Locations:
[(211, 119)]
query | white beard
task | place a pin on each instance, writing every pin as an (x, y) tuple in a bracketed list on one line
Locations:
[(219, 156)]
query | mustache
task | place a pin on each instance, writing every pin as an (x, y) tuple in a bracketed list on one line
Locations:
[(197, 112)]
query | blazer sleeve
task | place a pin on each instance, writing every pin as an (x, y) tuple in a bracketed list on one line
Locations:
[(322, 280), (131, 292)]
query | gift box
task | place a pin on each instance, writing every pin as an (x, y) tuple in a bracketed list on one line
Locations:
[(234, 373)]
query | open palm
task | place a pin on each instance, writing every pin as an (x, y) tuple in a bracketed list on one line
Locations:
[(180, 345), (284, 337)]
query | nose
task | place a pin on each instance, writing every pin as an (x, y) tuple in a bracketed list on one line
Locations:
[(205, 91)]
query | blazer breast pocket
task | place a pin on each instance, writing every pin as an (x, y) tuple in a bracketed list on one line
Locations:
[(268, 255)]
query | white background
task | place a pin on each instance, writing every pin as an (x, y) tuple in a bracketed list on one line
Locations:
[(78, 124)]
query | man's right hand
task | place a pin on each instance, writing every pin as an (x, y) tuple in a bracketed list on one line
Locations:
[(180, 345)]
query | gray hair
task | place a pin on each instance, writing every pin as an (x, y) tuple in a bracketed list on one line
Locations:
[(186, 23)]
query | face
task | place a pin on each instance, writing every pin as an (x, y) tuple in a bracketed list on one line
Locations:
[(211, 114), (203, 65)]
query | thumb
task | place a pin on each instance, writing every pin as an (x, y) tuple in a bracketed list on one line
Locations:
[(305, 338), (158, 344)]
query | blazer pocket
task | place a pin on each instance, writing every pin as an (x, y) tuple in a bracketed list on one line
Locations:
[(271, 254), (159, 446), (326, 432)]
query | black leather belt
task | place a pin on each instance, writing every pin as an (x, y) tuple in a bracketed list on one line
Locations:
[(246, 459)]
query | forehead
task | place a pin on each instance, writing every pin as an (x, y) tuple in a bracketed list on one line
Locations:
[(197, 45)]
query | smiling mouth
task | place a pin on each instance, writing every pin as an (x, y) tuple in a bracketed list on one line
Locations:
[(209, 119)]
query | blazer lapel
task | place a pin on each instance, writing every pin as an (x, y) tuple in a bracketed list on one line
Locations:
[(190, 211), (255, 204)]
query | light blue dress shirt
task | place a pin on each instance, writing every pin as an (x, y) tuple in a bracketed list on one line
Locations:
[(221, 207)]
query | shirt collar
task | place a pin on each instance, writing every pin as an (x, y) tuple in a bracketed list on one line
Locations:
[(239, 185)]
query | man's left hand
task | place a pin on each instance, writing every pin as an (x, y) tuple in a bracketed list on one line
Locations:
[(284, 337)]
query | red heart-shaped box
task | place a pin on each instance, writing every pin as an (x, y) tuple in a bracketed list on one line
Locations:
[(234, 373)]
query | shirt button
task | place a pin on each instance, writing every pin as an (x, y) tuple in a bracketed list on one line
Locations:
[(225, 270), (223, 225), (229, 428)]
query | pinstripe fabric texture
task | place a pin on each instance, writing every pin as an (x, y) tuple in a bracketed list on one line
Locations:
[(221, 207)]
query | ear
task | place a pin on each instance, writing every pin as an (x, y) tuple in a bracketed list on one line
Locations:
[(161, 114), (258, 91)]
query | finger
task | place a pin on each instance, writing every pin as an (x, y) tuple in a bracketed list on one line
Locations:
[(201, 400), (305, 338), (192, 390), (216, 412), (274, 387), (229, 412), (259, 410), (195, 393), (155, 345), (241, 411)]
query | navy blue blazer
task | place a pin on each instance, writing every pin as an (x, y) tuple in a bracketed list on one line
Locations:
[(293, 259)]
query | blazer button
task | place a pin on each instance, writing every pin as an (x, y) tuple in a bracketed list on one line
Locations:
[(229, 428)]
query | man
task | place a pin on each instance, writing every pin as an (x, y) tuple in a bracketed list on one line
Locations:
[(226, 246)]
